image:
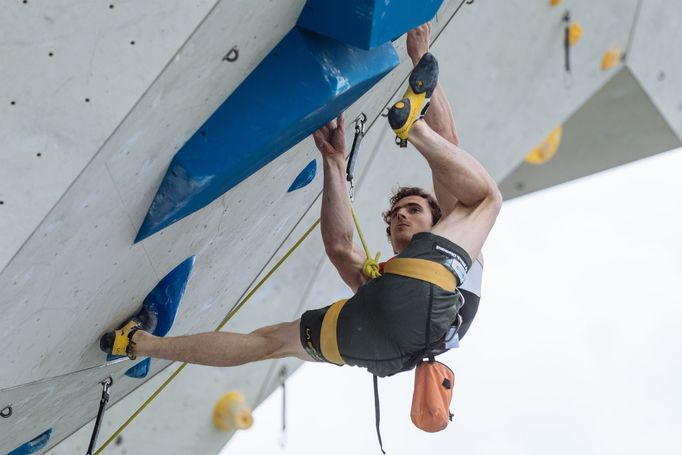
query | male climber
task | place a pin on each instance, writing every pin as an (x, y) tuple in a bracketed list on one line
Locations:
[(416, 306)]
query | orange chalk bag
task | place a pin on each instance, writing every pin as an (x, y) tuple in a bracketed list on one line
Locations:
[(433, 385)]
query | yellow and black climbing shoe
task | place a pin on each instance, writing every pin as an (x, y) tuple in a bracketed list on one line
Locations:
[(415, 102), (119, 342)]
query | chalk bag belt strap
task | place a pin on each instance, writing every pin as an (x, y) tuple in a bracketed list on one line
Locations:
[(423, 269), (329, 344)]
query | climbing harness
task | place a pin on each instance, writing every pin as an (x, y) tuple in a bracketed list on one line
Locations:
[(106, 384), (424, 270)]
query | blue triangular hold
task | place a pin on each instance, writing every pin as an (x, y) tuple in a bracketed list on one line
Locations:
[(163, 301), (140, 370), (303, 83), (366, 23), (305, 177), (33, 445)]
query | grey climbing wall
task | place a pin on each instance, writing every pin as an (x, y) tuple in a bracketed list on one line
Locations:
[(77, 176)]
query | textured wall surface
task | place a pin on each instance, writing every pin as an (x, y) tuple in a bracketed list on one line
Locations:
[(77, 177), (619, 124)]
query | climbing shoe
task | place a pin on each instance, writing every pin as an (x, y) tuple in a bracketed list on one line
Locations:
[(119, 342), (415, 102)]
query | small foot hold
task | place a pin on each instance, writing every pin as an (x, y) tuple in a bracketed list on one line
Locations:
[(140, 369), (403, 114)]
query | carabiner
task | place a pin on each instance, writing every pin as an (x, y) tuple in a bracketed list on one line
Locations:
[(355, 150)]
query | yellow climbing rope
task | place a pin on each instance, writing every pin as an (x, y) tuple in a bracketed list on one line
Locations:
[(217, 329), (370, 268)]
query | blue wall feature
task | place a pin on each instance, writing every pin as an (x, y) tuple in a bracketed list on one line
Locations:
[(366, 23), (33, 445), (306, 176), (303, 83), (140, 369), (163, 302)]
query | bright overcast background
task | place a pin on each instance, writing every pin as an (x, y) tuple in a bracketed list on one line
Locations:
[(577, 347)]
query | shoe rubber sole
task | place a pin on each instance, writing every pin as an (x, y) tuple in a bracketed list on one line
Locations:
[(415, 101), (116, 343)]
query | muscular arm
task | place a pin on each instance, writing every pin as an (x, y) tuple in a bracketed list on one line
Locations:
[(439, 116), (479, 199), (336, 221)]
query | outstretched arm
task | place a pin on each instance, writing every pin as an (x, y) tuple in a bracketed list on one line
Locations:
[(439, 116), (336, 220)]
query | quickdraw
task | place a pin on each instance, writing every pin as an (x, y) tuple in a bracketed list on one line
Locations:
[(283, 382), (567, 41), (355, 151), (106, 384), (370, 268)]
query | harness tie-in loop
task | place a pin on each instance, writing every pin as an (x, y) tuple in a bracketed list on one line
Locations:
[(370, 268)]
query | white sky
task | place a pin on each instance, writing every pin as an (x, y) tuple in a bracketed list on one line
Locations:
[(577, 347)]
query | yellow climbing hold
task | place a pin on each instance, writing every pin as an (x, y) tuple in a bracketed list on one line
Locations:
[(575, 32), (547, 149), (232, 413), (611, 57), (554, 2)]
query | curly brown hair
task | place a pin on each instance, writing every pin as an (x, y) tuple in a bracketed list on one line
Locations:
[(405, 191)]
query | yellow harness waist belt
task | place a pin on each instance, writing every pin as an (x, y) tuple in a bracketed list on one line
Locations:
[(329, 344), (423, 269)]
